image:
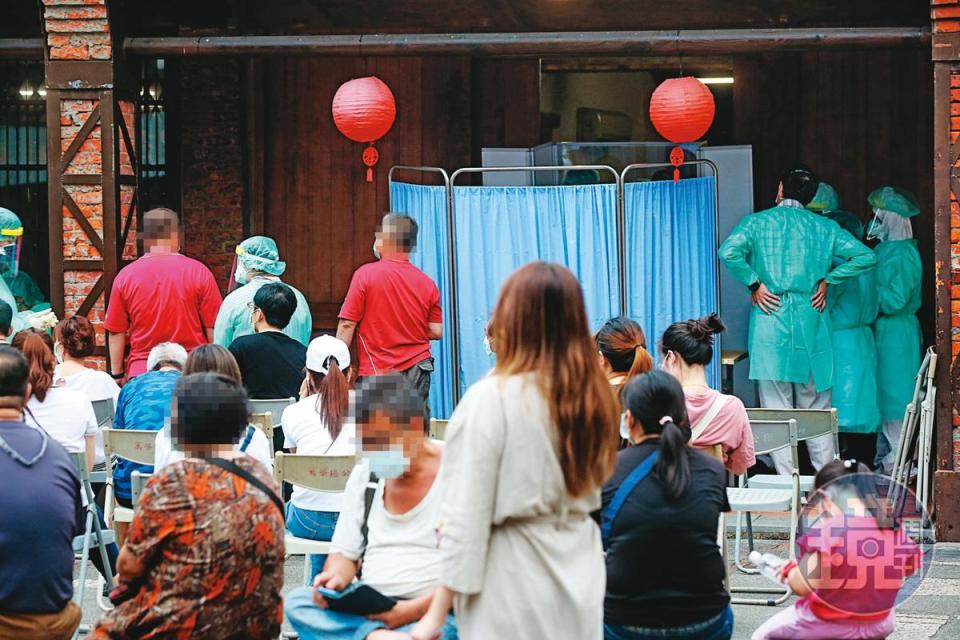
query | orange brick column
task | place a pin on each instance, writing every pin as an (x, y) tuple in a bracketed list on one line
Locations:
[(91, 159), (946, 270)]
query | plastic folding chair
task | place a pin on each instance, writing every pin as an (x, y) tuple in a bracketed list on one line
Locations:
[(93, 533), (768, 436), (811, 423), (138, 480), (438, 429), (264, 422), (104, 411), (128, 444), (318, 473)]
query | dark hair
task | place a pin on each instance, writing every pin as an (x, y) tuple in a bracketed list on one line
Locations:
[(6, 317), (77, 336), (623, 344), (650, 398), (14, 372), (277, 302), (856, 477), (392, 395), (800, 184), (212, 358), (208, 408), (403, 230), (160, 224), (334, 394), (692, 340), (37, 348)]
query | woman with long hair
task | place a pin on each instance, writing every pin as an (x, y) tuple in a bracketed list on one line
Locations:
[(623, 351), (213, 358), (715, 418), (317, 425), (665, 575), (527, 451)]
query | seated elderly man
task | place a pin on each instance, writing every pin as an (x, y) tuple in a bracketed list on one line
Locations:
[(204, 558), (144, 404), (396, 537), (40, 494)]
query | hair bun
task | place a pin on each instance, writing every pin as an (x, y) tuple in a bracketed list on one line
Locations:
[(705, 328)]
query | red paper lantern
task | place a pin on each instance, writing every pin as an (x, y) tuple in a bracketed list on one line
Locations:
[(681, 110), (364, 110)]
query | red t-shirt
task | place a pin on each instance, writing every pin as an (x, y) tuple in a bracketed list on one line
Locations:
[(392, 303), (162, 297)]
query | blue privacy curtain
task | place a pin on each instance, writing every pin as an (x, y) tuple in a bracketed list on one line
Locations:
[(671, 255), (428, 206), (502, 228)]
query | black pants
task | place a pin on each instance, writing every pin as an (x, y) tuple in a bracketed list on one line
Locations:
[(419, 377)]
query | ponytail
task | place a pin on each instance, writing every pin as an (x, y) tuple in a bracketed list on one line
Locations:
[(622, 342), (40, 360), (333, 395), (642, 362), (673, 467)]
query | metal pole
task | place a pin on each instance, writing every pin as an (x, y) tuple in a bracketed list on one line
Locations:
[(454, 332)]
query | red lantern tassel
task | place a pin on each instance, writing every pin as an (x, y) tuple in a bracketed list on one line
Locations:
[(676, 175), (370, 175)]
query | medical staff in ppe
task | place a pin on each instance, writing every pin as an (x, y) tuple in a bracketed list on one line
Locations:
[(788, 257), (897, 331), (11, 237), (853, 306), (257, 262), (826, 199)]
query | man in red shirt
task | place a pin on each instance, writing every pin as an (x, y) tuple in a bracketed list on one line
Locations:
[(162, 297), (394, 309)]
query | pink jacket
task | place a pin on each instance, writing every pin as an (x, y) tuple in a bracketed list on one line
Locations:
[(729, 428)]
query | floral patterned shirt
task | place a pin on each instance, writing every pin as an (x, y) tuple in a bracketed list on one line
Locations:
[(213, 548)]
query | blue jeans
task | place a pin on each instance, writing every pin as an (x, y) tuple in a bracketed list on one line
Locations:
[(313, 623), (313, 525), (720, 627)]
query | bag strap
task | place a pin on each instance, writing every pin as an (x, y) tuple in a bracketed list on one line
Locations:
[(623, 492), (247, 438), (368, 496), (708, 417), (232, 467)]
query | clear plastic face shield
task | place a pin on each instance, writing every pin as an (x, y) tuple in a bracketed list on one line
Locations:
[(10, 243), (877, 230), (238, 274)]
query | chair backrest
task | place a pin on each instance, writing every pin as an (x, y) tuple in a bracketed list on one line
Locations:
[(130, 444), (274, 407), (438, 428), (264, 422), (774, 435), (138, 479), (320, 473), (104, 410), (79, 459), (715, 451), (810, 422)]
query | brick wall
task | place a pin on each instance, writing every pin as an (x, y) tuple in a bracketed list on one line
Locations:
[(211, 162), (77, 29)]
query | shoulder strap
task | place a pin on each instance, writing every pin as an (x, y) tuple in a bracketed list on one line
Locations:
[(247, 438), (623, 492), (232, 467), (368, 496), (708, 417)]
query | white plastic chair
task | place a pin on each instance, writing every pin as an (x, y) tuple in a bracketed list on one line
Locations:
[(811, 423), (768, 436), (138, 480), (438, 428), (318, 473), (129, 444), (264, 422), (104, 411), (93, 533), (272, 406)]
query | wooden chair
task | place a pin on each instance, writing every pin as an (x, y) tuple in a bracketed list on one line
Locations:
[(715, 451), (318, 473)]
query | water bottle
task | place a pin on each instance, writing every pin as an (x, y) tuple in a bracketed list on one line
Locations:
[(768, 564)]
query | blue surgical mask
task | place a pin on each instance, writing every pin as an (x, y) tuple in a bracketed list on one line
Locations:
[(387, 464), (240, 275)]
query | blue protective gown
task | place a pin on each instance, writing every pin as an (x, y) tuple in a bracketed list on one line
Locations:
[(233, 319)]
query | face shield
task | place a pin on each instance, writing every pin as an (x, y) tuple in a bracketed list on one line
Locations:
[(877, 230), (239, 276), (10, 242)]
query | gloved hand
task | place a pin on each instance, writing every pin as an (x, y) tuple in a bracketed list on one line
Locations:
[(43, 320)]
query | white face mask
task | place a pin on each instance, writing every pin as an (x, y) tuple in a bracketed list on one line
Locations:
[(624, 429), (486, 345), (387, 464), (240, 275), (58, 352), (376, 250)]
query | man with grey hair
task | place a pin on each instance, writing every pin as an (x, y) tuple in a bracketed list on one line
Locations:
[(144, 404), (394, 309)]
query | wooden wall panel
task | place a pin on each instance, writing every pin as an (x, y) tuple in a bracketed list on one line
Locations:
[(318, 205)]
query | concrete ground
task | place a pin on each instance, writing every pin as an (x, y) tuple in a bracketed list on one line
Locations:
[(932, 612)]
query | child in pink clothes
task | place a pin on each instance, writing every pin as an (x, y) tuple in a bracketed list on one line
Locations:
[(715, 418), (853, 560)]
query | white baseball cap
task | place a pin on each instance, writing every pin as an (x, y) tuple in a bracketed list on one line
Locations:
[(323, 347)]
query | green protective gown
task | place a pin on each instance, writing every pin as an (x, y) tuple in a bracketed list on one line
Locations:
[(790, 250), (233, 319), (25, 290), (854, 305), (897, 331)]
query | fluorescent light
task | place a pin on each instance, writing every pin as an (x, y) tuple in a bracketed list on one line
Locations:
[(717, 80)]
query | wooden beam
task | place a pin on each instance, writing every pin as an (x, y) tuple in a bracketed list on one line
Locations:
[(76, 74), (21, 48), (92, 120), (668, 43), (81, 219), (253, 147), (944, 154), (55, 193)]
